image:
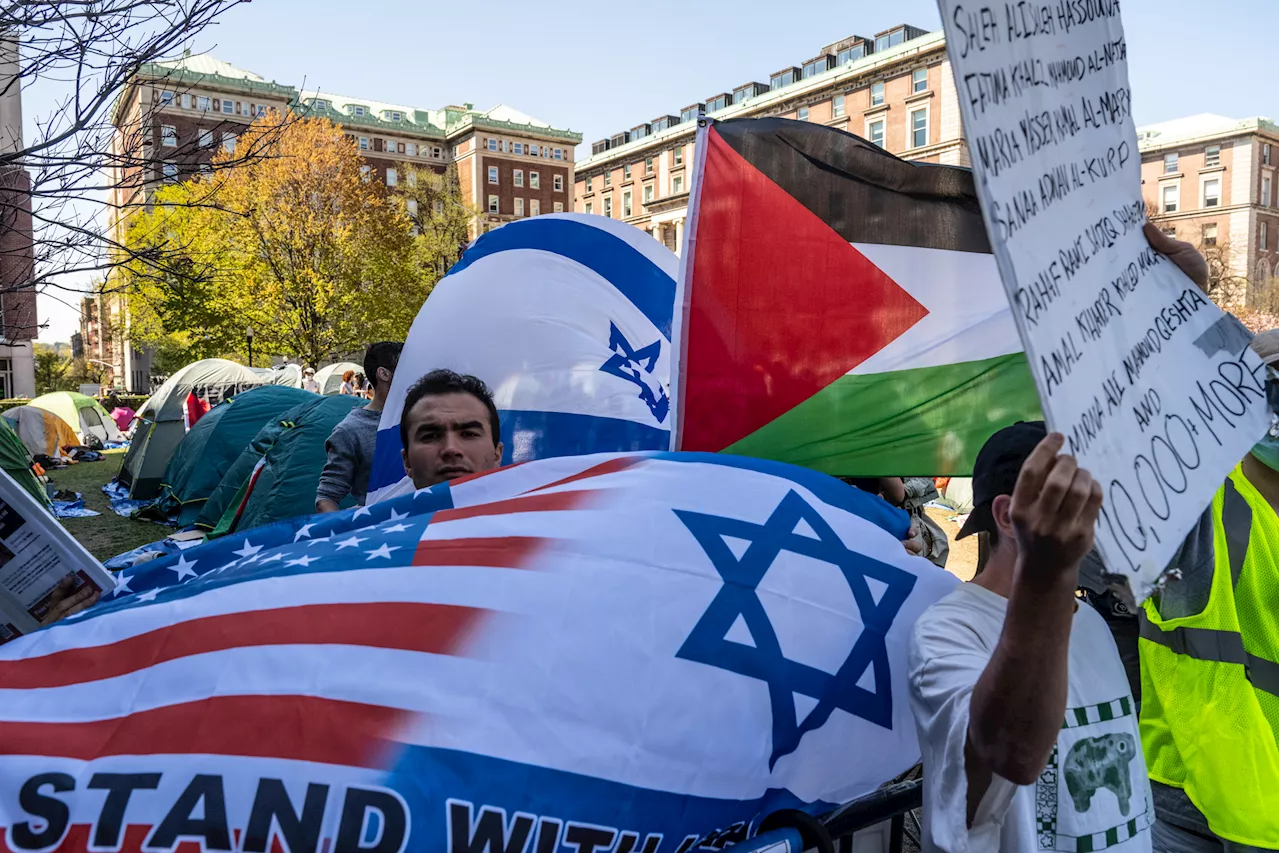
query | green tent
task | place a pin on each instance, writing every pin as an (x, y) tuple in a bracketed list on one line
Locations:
[(83, 414), (162, 420), (231, 488), (212, 445), (281, 482), (16, 462)]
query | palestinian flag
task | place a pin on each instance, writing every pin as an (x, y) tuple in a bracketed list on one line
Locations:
[(841, 308)]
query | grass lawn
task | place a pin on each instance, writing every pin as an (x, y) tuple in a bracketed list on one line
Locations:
[(108, 534)]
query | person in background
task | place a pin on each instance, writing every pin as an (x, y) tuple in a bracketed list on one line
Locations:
[(348, 384), (1026, 724), (449, 428), (309, 382), (363, 388), (1208, 648), (351, 444), (923, 536)]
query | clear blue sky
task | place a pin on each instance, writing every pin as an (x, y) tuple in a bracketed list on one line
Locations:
[(599, 68)]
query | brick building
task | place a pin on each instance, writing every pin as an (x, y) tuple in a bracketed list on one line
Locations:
[(1211, 181), (174, 116), (895, 89)]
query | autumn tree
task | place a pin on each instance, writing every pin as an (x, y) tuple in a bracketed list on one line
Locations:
[(302, 246)]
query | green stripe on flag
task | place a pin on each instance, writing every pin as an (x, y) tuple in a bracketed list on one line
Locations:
[(927, 421)]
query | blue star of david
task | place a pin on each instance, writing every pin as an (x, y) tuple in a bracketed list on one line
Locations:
[(764, 661), (628, 363)]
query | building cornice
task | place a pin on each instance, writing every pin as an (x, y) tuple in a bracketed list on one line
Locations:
[(867, 66)]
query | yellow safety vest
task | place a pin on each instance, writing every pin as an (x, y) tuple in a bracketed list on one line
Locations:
[(1209, 681)]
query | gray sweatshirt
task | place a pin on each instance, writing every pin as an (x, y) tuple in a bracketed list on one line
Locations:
[(350, 449)]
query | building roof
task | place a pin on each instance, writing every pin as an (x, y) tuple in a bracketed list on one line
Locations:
[(206, 64), (925, 43), (502, 112), (1199, 126)]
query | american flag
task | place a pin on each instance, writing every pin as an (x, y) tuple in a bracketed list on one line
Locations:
[(621, 652)]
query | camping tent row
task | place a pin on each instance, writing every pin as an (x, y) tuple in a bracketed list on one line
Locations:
[(252, 460), (163, 421)]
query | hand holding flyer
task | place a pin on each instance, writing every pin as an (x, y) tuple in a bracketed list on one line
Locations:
[(1155, 388)]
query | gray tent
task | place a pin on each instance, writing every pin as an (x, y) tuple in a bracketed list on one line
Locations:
[(288, 375), (162, 421)]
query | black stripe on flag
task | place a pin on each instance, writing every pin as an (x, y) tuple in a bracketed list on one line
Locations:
[(863, 192)]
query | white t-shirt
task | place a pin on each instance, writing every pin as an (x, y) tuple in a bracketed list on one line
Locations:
[(1093, 794)]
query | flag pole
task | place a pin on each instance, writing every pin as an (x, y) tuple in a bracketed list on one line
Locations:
[(679, 319)]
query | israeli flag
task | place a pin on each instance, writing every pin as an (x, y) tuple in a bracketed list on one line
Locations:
[(568, 319)]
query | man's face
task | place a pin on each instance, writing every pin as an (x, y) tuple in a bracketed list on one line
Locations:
[(449, 437)]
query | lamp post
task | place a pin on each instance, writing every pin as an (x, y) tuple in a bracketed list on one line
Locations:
[(248, 335)]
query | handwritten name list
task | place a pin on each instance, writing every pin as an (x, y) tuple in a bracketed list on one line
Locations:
[(1155, 389)]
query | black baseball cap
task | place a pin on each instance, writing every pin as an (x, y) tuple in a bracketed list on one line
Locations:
[(996, 471)]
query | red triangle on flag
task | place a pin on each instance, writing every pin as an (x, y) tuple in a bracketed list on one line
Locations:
[(780, 306)]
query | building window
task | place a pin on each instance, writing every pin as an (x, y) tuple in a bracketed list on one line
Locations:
[(166, 99), (412, 178), (588, 208), (168, 136), (1209, 234), (364, 143), (357, 111), (557, 182), (493, 204), (877, 94), (437, 152), (626, 205), (588, 183), (1212, 192), (392, 178), (206, 138), (626, 172), (262, 110), (608, 206), (493, 145), (648, 193), (837, 106), (186, 101), (920, 127), (517, 177), (608, 178), (535, 207), (559, 153), (493, 174), (1266, 190), (1169, 198), (677, 156), (170, 171), (803, 114), (519, 207), (411, 149), (229, 143), (202, 103), (677, 184), (533, 151), (648, 165), (919, 80), (1266, 154), (397, 116), (875, 132), (1212, 155), (557, 207), (228, 108), (412, 206), (366, 173), (519, 148), (535, 181), (1171, 164), (1262, 237)]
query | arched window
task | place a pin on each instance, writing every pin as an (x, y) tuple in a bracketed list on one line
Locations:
[(1264, 272)]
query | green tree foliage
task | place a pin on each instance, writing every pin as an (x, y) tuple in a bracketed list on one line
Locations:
[(300, 245), (53, 370)]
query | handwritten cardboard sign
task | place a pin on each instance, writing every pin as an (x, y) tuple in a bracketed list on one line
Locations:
[(1154, 387)]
